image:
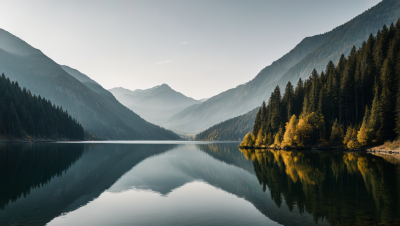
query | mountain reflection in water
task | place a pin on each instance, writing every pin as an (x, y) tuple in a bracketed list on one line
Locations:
[(196, 183)]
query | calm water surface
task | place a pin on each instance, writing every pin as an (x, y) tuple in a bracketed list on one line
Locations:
[(187, 183)]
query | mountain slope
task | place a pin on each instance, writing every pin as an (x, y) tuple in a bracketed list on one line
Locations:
[(84, 79), (231, 129), (156, 104), (100, 114), (312, 52)]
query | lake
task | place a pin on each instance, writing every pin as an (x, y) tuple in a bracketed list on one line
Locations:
[(193, 183)]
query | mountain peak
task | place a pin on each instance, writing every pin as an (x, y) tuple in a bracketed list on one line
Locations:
[(165, 86)]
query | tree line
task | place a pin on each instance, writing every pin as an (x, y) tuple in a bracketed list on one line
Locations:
[(354, 103), (23, 114)]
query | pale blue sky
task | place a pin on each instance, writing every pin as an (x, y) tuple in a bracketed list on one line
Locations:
[(200, 48)]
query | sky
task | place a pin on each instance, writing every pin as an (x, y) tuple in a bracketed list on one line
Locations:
[(199, 48)]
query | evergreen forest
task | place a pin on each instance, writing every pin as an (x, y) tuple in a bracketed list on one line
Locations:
[(355, 103), (23, 115)]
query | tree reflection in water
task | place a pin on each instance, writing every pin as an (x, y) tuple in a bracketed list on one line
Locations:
[(344, 188)]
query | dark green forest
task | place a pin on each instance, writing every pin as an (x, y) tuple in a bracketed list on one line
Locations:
[(23, 115), (354, 103)]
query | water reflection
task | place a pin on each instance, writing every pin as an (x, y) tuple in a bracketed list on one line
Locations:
[(23, 167), (203, 184), (344, 188), (87, 170)]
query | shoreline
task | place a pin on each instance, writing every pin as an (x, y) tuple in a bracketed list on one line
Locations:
[(33, 140), (372, 150)]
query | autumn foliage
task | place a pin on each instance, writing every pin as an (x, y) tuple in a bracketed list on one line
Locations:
[(331, 107)]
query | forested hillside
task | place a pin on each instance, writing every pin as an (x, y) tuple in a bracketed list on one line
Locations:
[(352, 103), (94, 107), (23, 114), (231, 129), (312, 52)]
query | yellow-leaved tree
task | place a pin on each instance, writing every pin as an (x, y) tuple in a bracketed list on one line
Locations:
[(303, 130), (248, 140), (290, 133), (278, 138), (349, 133), (260, 138), (353, 143), (350, 140)]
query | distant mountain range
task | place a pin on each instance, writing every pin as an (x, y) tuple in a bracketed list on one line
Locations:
[(157, 104), (311, 52), (94, 107)]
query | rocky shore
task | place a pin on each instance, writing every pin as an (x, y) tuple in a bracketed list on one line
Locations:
[(381, 150)]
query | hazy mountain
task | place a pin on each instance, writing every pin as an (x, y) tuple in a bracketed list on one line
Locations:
[(156, 104), (231, 129), (95, 108), (84, 79), (312, 52)]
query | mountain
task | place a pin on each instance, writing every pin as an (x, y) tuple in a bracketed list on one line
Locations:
[(94, 107), (231, 129), (311, 52), (156, 104)]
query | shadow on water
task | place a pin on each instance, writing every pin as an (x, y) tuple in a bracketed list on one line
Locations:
[(42, 181)]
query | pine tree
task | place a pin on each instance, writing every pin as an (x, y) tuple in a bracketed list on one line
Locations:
[(339, 96), (387, 100), (269, 139), (363, 134), (298, 97), (287, 100), (289, 111), (276, 113), (15, 125), (336, 134), (257, 122), (374, 119)]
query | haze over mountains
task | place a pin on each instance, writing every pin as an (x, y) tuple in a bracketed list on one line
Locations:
[(156, 104), (94, 107), (312, 52), (103, 113)]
